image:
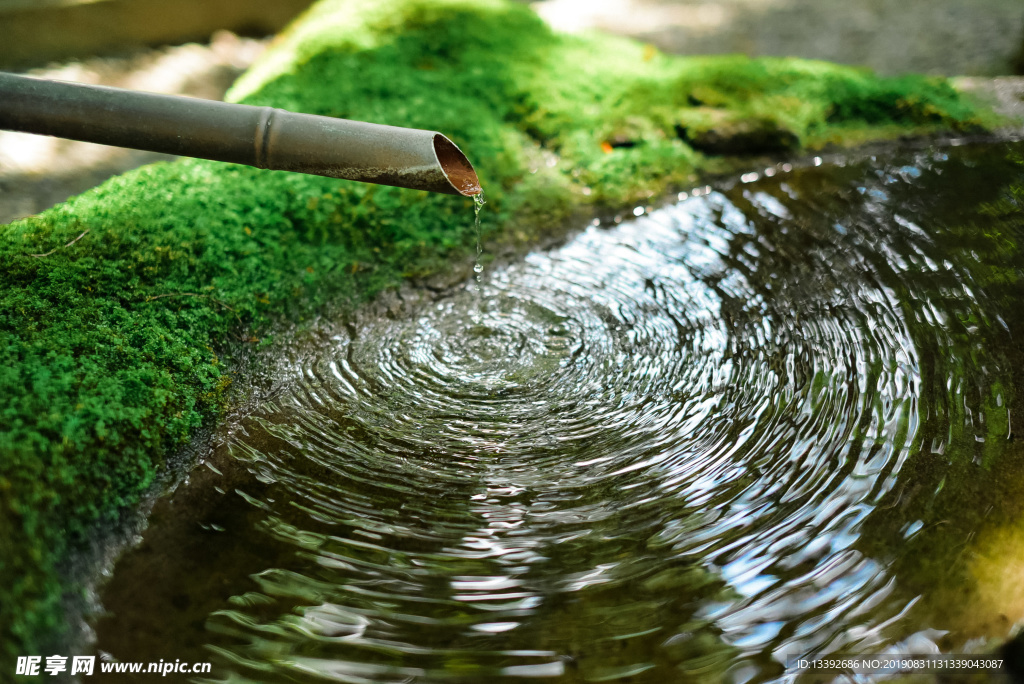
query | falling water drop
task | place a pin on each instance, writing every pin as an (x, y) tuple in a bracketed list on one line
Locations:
[(478, 203)]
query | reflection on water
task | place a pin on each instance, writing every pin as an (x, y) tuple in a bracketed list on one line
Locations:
[(773, 420)]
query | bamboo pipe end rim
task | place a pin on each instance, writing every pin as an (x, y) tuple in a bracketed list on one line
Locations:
[(456, 167)]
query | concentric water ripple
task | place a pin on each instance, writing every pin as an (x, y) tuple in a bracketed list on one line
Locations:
[(626, 415), (651, 453)]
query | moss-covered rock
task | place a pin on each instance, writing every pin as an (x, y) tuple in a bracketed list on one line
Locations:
[(116, 305), (714, 132)]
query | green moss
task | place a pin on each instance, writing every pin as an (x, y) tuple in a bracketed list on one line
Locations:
[(108, 346)]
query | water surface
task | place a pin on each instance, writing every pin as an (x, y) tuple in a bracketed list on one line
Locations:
[(774, 419)]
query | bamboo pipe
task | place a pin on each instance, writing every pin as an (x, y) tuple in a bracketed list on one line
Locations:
[(263, 137)]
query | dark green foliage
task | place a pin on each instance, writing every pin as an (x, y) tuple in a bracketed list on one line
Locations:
[(108, 346)]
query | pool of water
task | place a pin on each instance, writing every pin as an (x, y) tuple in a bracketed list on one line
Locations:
[(778, 418)]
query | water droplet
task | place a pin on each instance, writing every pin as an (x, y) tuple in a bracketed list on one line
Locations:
[(478, 203)]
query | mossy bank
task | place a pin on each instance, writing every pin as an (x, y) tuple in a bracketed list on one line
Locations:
[(118, 307)]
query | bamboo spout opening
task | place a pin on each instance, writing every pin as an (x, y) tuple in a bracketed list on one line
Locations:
[(456, 167)]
